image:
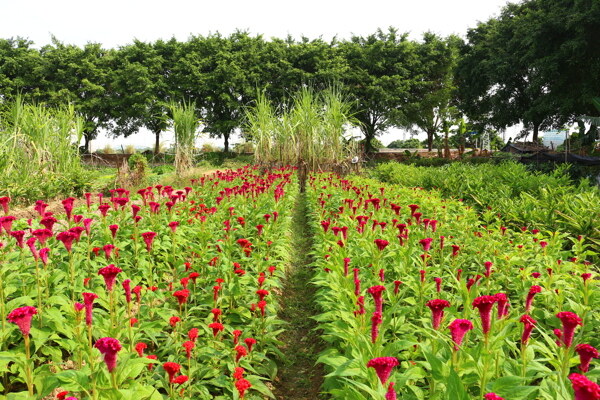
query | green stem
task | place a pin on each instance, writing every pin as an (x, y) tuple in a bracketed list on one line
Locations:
[(28, 376)]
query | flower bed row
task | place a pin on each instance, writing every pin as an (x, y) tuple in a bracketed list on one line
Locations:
[(420, 299), (160, 294)]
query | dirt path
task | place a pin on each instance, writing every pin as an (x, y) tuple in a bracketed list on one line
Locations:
[(299, 378)]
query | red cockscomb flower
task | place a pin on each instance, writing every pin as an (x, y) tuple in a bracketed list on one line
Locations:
[(569, 320), (109, 347), (458, 329), (535, 289), (242, 385), (22, 318), (484, 304), (181, 296), (171, 368), (216, 328), (381, 244), (240, 352), (437, 311), (88, 301), (377, 292), (528, 325), (586, 353), (492, 396), (250, 342), (140, 347), (383, 367), (148, 239), (188, 346), (109, 273), (584, 388)]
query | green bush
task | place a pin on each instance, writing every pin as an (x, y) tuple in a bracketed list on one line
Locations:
[(551, 202)]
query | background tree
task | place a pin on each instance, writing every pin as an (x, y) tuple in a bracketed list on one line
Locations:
[(80, 76), (433, 91), (379, 78)]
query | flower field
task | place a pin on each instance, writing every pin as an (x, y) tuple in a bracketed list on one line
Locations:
[(420, 299), (171, 293), (163, 293)]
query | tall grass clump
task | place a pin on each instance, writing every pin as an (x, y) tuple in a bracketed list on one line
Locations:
[(38, 151), (309, 132), (185, 126)]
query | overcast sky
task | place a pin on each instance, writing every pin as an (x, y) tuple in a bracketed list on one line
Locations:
[(116, 23)]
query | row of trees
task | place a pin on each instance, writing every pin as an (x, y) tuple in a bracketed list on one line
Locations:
[(538, 63)]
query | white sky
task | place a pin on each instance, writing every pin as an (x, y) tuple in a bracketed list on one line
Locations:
[(116, 23)]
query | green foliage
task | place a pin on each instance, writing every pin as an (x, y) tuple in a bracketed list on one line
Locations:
[(185, 126), (405, 144), (38, 153), (549, 202), (310, 132)]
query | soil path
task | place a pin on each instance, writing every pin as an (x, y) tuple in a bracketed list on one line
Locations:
[(299, 378)]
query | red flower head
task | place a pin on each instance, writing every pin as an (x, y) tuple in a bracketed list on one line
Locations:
[(173, 225), (216, 328), (492, 396), (437, 310), (180, 380), (182, 296), (171, 368), (458, 329), (238, 373), (216, 312), (532, 292), (193, 276), (113, 230), (455, 250), (109, 347), (104, 209), (488, 268), (391, 393), (584, 388), (397, 286), (484, 304), (133, 321), (140, 347), (558, 334), (188, 346), (193, 334), (438, 284), (148, 239), (569, 320), (262, 305), (586, 353), (426, 243), (346, 265), (109, 273), (67, 239), (376, 320), (381, 244), (503, 305), (240, 352), (236, 336), (250, 342), (262, 293), (108, 249), (151, 357), (127, 287), (585, 276), (22, 318), (377, 292), (88, 301), (383, 367), (68, 206), (242, 385), (173, 321), (62, 395), (528, 325), (259, 229)]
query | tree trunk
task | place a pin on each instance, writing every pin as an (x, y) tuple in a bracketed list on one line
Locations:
[(157, 142), (536, 130), (446, 146), (226, 144), (86, 143), (430, 140), (369, 135)]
